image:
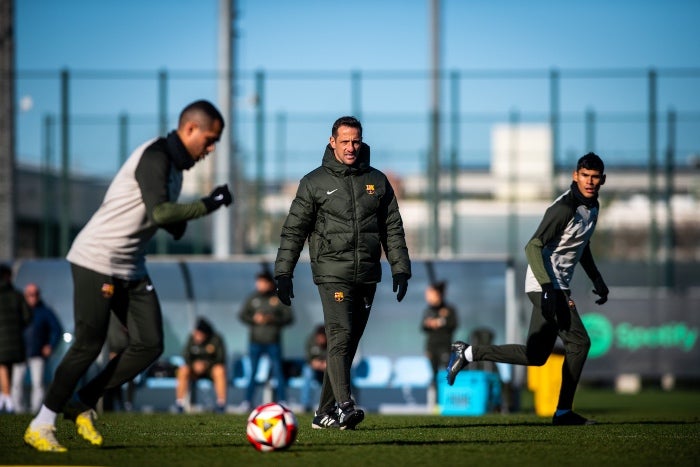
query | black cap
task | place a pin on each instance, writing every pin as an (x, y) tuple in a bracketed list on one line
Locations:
[(204, 326)]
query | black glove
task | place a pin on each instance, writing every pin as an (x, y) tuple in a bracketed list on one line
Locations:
[(549, 302), (400, 284), (285, 289), (176, 229), (600, 289), (220, 196)]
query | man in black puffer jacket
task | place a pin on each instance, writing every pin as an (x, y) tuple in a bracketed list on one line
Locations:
[(348, 211)]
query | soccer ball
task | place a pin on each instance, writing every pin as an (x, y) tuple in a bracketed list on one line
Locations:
[(271, 427)]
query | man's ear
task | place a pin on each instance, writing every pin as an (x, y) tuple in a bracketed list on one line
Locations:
[(602, 180), (331, 141)]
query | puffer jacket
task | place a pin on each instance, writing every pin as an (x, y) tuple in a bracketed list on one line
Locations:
[(349, 214), (14, 316)]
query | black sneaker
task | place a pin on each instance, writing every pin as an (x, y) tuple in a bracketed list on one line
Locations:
[(457, 361), (326, 420), (348, 416), (571, 418)]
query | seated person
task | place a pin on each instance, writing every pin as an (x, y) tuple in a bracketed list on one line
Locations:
[(205, 357)]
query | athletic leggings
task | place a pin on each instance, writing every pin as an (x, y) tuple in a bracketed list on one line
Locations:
[(541, 338), (136, 305)]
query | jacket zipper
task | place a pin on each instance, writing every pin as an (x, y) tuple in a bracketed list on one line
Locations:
[(355, 227)]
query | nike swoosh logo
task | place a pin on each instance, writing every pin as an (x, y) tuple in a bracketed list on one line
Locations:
[(218, 197), (331, 192)]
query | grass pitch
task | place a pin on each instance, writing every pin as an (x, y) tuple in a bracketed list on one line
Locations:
[(652, 428)]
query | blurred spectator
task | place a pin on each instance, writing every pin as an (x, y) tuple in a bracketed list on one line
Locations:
[(266, 316), (316, 352), (205, 357), (14, 316), (41, 337), (439, 323), (117, 341)]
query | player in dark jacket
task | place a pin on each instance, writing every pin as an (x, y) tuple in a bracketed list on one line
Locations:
[(14, 316), (561, 241), (265, 317), (41, 336), (439, 323), (348, 212)]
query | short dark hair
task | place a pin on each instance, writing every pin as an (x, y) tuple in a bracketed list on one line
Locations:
[(5, 272), (346, 121), (204, 112), (591, 161), (204, 326)]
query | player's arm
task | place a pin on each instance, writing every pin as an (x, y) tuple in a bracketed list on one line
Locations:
[(220, 356), (247, 311), (55, 330), (284, 315), (186, 354), (296, 229), (392, 234), (152, 175), (451, 319), (553, 223), (588, 264)]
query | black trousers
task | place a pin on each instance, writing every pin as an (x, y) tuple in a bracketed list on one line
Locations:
[(346, 310), (136, 305), (541, 338)]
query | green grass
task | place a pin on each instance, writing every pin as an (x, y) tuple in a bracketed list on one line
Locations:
[(652, 428)]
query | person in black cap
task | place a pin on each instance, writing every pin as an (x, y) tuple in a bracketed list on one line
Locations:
[(205, 357), (265, 315)]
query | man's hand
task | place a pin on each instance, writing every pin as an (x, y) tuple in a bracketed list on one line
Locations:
[(285, 289), (549, 302), (220, 196), (400, 284), (600, 289)]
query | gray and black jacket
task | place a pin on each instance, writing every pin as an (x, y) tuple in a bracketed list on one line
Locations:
[(141, 198), (561, 241)]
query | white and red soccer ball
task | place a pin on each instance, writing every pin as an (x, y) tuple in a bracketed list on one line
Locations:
[(271, 427)]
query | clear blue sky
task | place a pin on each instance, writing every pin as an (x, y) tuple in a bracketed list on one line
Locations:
[(367, 35)]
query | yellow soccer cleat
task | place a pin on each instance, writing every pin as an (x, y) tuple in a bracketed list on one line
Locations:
[(86, 428), (43, 438)]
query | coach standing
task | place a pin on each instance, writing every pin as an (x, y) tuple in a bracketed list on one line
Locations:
[(348, 211), (109, 271)]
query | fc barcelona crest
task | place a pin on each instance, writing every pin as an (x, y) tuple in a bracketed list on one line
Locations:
[(339, 296), (107, 290), (370, 189)]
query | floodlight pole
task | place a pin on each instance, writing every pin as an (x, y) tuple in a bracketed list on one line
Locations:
[(434, 165), (223, 219), (7, 133)]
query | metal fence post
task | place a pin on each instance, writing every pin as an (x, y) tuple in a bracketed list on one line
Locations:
[(65, 223), (653, 172), (47, 187)]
